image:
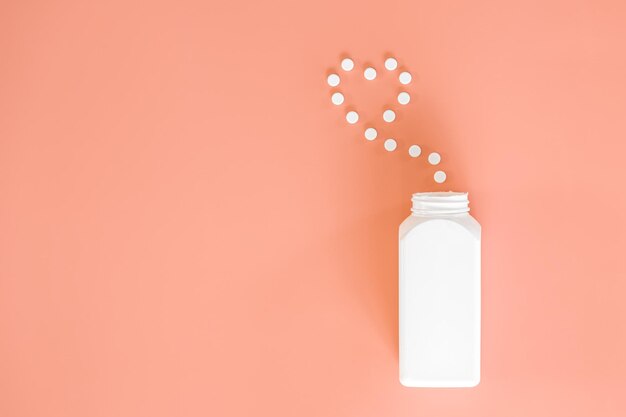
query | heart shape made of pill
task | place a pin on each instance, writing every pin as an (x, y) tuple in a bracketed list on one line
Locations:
[(403, 98)]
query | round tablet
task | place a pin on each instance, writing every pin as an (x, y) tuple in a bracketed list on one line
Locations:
[(405, 77), (352, 117), (404, 98), (389, 116), (440, 177), (370, 133), (333, 80), (337, 98), (391, 64), (415, 151), (347, 64), (390, 145), (434, 158), (369, 73)]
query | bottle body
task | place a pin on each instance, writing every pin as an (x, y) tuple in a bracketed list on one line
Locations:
[(439, 293)]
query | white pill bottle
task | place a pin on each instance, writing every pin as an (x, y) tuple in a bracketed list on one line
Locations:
[(439, 293)]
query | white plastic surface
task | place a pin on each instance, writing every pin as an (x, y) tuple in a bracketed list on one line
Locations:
[(439, 294)]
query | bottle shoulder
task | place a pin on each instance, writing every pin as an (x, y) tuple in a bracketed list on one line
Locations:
[(414, 223)]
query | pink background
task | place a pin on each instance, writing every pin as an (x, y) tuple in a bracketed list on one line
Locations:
[(188, 227)]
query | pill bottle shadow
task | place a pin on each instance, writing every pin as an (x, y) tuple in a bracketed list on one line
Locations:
[(377, 235)]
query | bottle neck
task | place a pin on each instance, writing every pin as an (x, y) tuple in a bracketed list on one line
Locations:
[(439, 204)]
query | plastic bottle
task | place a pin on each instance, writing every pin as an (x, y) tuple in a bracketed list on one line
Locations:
[(439, 299)]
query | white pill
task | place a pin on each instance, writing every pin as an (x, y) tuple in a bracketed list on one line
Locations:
[(440, 177), (415, 151), (404, 98), (347, 64), (389, 116), (337, 98), (434, 158), (333, 80), (369, 73), (390, 145), (370, 133), (391, 64), (405, 77), (352, 117)]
